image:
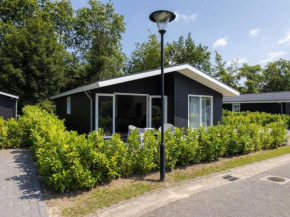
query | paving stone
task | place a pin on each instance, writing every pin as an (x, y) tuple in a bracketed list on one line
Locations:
[(251, 197), (20, 193)]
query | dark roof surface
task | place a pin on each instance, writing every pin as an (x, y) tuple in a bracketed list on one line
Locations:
[(274, 96)]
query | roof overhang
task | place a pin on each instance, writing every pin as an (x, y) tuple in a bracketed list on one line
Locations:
[(9, 95), (185, 69), (265, 101)]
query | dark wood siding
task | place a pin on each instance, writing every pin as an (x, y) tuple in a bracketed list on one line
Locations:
[(177, 88), (79, 119), (273, 108), (7, 107), (228, 107), (185, 86)]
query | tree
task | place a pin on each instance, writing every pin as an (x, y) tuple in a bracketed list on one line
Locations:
[(186, 51), (277, 76), (227, 76), (97, 41), (32, 62), (253, 78), (146, 56)]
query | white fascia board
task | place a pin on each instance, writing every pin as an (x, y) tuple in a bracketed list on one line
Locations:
[(184, 69), (247, 102), (208, 81), (9, 95)]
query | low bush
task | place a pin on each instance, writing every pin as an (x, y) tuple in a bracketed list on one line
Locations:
[(261, 118), (68, 161)]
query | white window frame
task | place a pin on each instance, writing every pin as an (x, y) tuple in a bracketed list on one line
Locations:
[(234, 105), (68, 105), (97, 111), (150, 108), (200, 108)]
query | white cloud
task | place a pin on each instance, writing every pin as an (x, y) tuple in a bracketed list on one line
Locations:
[(273, 56), (254, 32), (239, 60), (189, 17), (286, 39), (220, 42)]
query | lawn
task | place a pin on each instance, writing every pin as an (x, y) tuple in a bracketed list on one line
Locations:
[(81, 203)]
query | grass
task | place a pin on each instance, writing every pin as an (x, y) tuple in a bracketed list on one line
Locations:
[(106, 196)]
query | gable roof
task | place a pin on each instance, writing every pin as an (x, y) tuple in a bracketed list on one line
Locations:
[(9, 95), (184, 69), (259, 97)]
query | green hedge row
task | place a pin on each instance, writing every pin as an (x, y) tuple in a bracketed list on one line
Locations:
[(68, 161), (262, 118)]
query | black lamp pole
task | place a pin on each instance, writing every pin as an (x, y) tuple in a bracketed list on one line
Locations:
[(162, 18), (162, 146)]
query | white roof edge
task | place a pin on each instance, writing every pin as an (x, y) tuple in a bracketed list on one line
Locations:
[(132, 77), (255, 101), (214, 80), (9, 94)]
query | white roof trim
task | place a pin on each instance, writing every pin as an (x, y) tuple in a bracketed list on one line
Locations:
[(266, 101), (9, 95), (185, 69)]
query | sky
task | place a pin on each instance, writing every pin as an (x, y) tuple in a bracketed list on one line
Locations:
[(253, 31)]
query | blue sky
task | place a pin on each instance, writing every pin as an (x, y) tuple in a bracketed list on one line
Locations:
[(255, 31)]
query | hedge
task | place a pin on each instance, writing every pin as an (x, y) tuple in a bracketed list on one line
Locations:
[(262, 118), (68, 161)]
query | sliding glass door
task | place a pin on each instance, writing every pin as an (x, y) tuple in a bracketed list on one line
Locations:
[(104, 113), (199, 111), (155, 111)]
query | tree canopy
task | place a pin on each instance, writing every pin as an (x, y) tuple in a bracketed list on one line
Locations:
[(47, 47)]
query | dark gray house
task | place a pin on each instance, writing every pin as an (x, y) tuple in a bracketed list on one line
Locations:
[(8, 105), (192, 99), (274, 103)]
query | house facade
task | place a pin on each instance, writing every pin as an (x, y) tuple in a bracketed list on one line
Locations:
[(192, 99), (274, 102), (8, 105)]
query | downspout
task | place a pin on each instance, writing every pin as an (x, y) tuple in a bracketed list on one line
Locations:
[(16, 111), (91, 110)]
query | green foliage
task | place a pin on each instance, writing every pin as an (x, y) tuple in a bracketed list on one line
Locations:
[(68, 161), (277, 76), (253, 76), (261, 118), (146, 56)]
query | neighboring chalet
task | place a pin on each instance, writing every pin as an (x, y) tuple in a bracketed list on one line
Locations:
[(8, 105), (192, 99), (274, 103)]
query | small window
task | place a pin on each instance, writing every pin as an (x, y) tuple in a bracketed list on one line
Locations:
[(68, 105), (236, 108)]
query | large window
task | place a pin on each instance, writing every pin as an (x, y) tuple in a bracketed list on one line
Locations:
[(199, 111)]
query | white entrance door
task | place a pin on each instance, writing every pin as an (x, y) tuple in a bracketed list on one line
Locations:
[(105, 113), (155, 111)]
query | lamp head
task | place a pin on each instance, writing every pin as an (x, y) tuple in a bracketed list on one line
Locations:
[(162, 17)]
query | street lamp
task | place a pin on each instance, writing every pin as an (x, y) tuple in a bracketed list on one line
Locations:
[(162, 18)]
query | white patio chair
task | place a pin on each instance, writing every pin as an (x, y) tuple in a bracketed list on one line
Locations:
[(140, 132), (166, 127)]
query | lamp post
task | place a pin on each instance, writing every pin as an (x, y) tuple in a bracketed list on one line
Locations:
[(162, 17)]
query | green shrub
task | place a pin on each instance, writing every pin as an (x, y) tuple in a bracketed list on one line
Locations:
[(68, 161), (188, 148)]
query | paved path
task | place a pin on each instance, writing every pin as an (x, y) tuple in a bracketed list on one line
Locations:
[(20, 193), (241, 191)]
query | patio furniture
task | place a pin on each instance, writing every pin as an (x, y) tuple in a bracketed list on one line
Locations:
[(166, 127), (139, 130)]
